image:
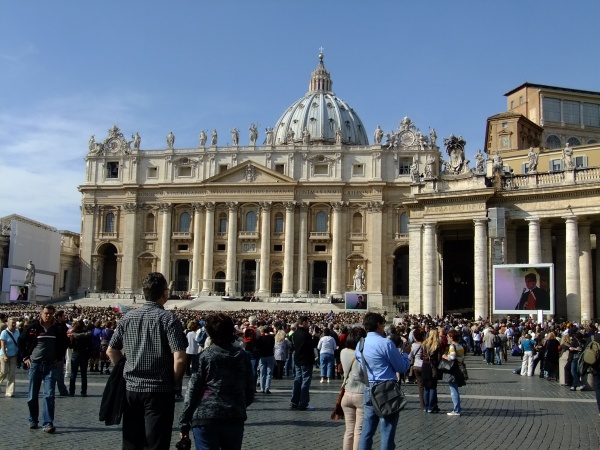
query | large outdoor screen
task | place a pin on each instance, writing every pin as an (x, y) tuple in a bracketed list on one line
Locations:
[(356, 300), (523, 288)]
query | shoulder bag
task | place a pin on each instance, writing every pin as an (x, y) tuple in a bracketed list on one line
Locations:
[(338, 412), (387, 397)]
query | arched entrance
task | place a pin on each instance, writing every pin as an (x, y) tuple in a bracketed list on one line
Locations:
[(108, 270), (248, 276), (220, 285), (401, 269), (319, 281), (276, 283), (182, 275)]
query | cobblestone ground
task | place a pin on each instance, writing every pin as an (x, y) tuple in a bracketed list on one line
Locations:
[(500, 411)]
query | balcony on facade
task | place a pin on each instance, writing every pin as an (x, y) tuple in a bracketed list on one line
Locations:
[(358, 236), (149, 235), (181, 235), (320, 236), (401, 236), (248, 235), (108, 235)]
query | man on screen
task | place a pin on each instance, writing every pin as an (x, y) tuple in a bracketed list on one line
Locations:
[(360, 302), (533, 297)]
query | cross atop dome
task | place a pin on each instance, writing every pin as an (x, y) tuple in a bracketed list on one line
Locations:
[(320, 81)]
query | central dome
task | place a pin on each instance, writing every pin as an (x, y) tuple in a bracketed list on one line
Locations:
[(320, 117)]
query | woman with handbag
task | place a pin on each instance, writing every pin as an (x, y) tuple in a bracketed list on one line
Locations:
[(416, 360), (353, 399), (432, 353), (454, 377)]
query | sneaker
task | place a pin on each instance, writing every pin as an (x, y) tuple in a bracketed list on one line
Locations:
[(572, 389), (267, 391), (307, 408), (33, 426), (579, 388), (322, 381), (293, 406), (453, 413), (328, 380), (49, 429)]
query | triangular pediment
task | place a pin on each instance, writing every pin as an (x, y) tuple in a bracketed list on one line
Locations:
[(250, 172)]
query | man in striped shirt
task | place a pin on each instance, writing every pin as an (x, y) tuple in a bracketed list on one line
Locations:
[(154, 344)]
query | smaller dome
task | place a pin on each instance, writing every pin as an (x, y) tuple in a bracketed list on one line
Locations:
[(320, 116)]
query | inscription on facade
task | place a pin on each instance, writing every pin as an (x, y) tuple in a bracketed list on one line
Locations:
[(455, 208)]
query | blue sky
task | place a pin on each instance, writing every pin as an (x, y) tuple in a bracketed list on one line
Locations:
[(72, 69)]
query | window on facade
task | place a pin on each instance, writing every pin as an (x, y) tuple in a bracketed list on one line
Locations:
[(571, 112), (403, 223), (551, 109), (553, 141), (184, 222), (555, 165), (280, 168), (250, 221), (358, 170), (112, 170), (357, 223), (150, 223), (182, 247), (321, 169), (222, 168), (512, 104), (221, 247), (278, 248), (185, 171), (592, 141), (321, 222), (521, 100), (319, 248), (581, 161), (404, 167), (573, 141), (109, 224), (222, 223), (152, 172), (504, 124), (591, 115), (279, 223)]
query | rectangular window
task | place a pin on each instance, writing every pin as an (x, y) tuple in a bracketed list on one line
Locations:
[(571, 112), (320, 248), (521, 100), (555, 165), (551, 109), (278, 248), (358, 170), (221, 247), (404, 167), (112, 170), (222, 168), (591, 115), (182, 247), (321, 169), (580, 162), (504, 124), (185, 171), (279, 225), (512, 104), (280, 168), (152, 172)]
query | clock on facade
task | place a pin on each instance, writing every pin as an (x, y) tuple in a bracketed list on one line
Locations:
[(407, 138)]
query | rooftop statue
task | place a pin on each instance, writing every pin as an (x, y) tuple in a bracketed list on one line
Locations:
[(253, 133), (532, 157), (137, 140), (455, 147), (568, 157), (213, 137), (378, 136), (170, 139), (429, 162), (235, 136), (479, 162), (268, 136), (30, 273), (202, 138), (414, 170)]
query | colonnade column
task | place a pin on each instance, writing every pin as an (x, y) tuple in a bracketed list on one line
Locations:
[(535, 248), (165, 246), (585, 272), (87, 230), (414, 268), (546, 239), (328, 277), (572, 285), (303, 249), (429, 269), (230, 284), (265, 244), (481, 269), (130, 237), (336, 262), (288, 257), (311, 274), (257, 274), (209, 239), (375, 278), (194, 288), (510, 245)]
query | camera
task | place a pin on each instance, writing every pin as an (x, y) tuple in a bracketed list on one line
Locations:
[(184, 444)]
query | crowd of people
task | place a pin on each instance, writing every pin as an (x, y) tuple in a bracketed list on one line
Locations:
[(231, 357)]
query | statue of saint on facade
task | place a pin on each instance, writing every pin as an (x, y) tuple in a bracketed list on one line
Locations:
[(213, 137), (498, 164), (414, 170), (253, 133), (170, 139), (568, 157), (338, 136), (305, 136), (290, 137), (532, 158), (433, 136), (92, 143), (479, 162), (202, 138), (137, 140), (30, 273), (235, 136), (429, 162), (378, 136), (359, 278), (268, 136)]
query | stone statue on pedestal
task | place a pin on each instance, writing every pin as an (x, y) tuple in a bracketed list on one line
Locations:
[(30, 273), (359, 278)]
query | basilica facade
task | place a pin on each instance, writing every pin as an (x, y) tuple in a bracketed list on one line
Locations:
[(291, 218)]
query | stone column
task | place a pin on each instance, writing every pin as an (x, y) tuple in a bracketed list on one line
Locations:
[(190, 270), (257, 275), (535, 248), (546, 238), (328, 278), (597, 277), (231, 285), (303, 249), (165, 245), (374, 277), (414, 268), (511, 244), (288, 257), (585, 272), (264, 287), (311, 274), (336, 263), (194, 287), (573, 287), (481, 269), (89, 234), (130, 237), (560, 285), (429, 269), (209, 239)]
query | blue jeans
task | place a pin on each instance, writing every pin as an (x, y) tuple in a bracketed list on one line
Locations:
[(455, 396), (327, 363), (596, 377), (219, 435), (289, 365), (265, 366), (38, 372), (370, 423), (498, 355), (429, 398), (575, 372), (300, 390), (79, 362), (254, 362)]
